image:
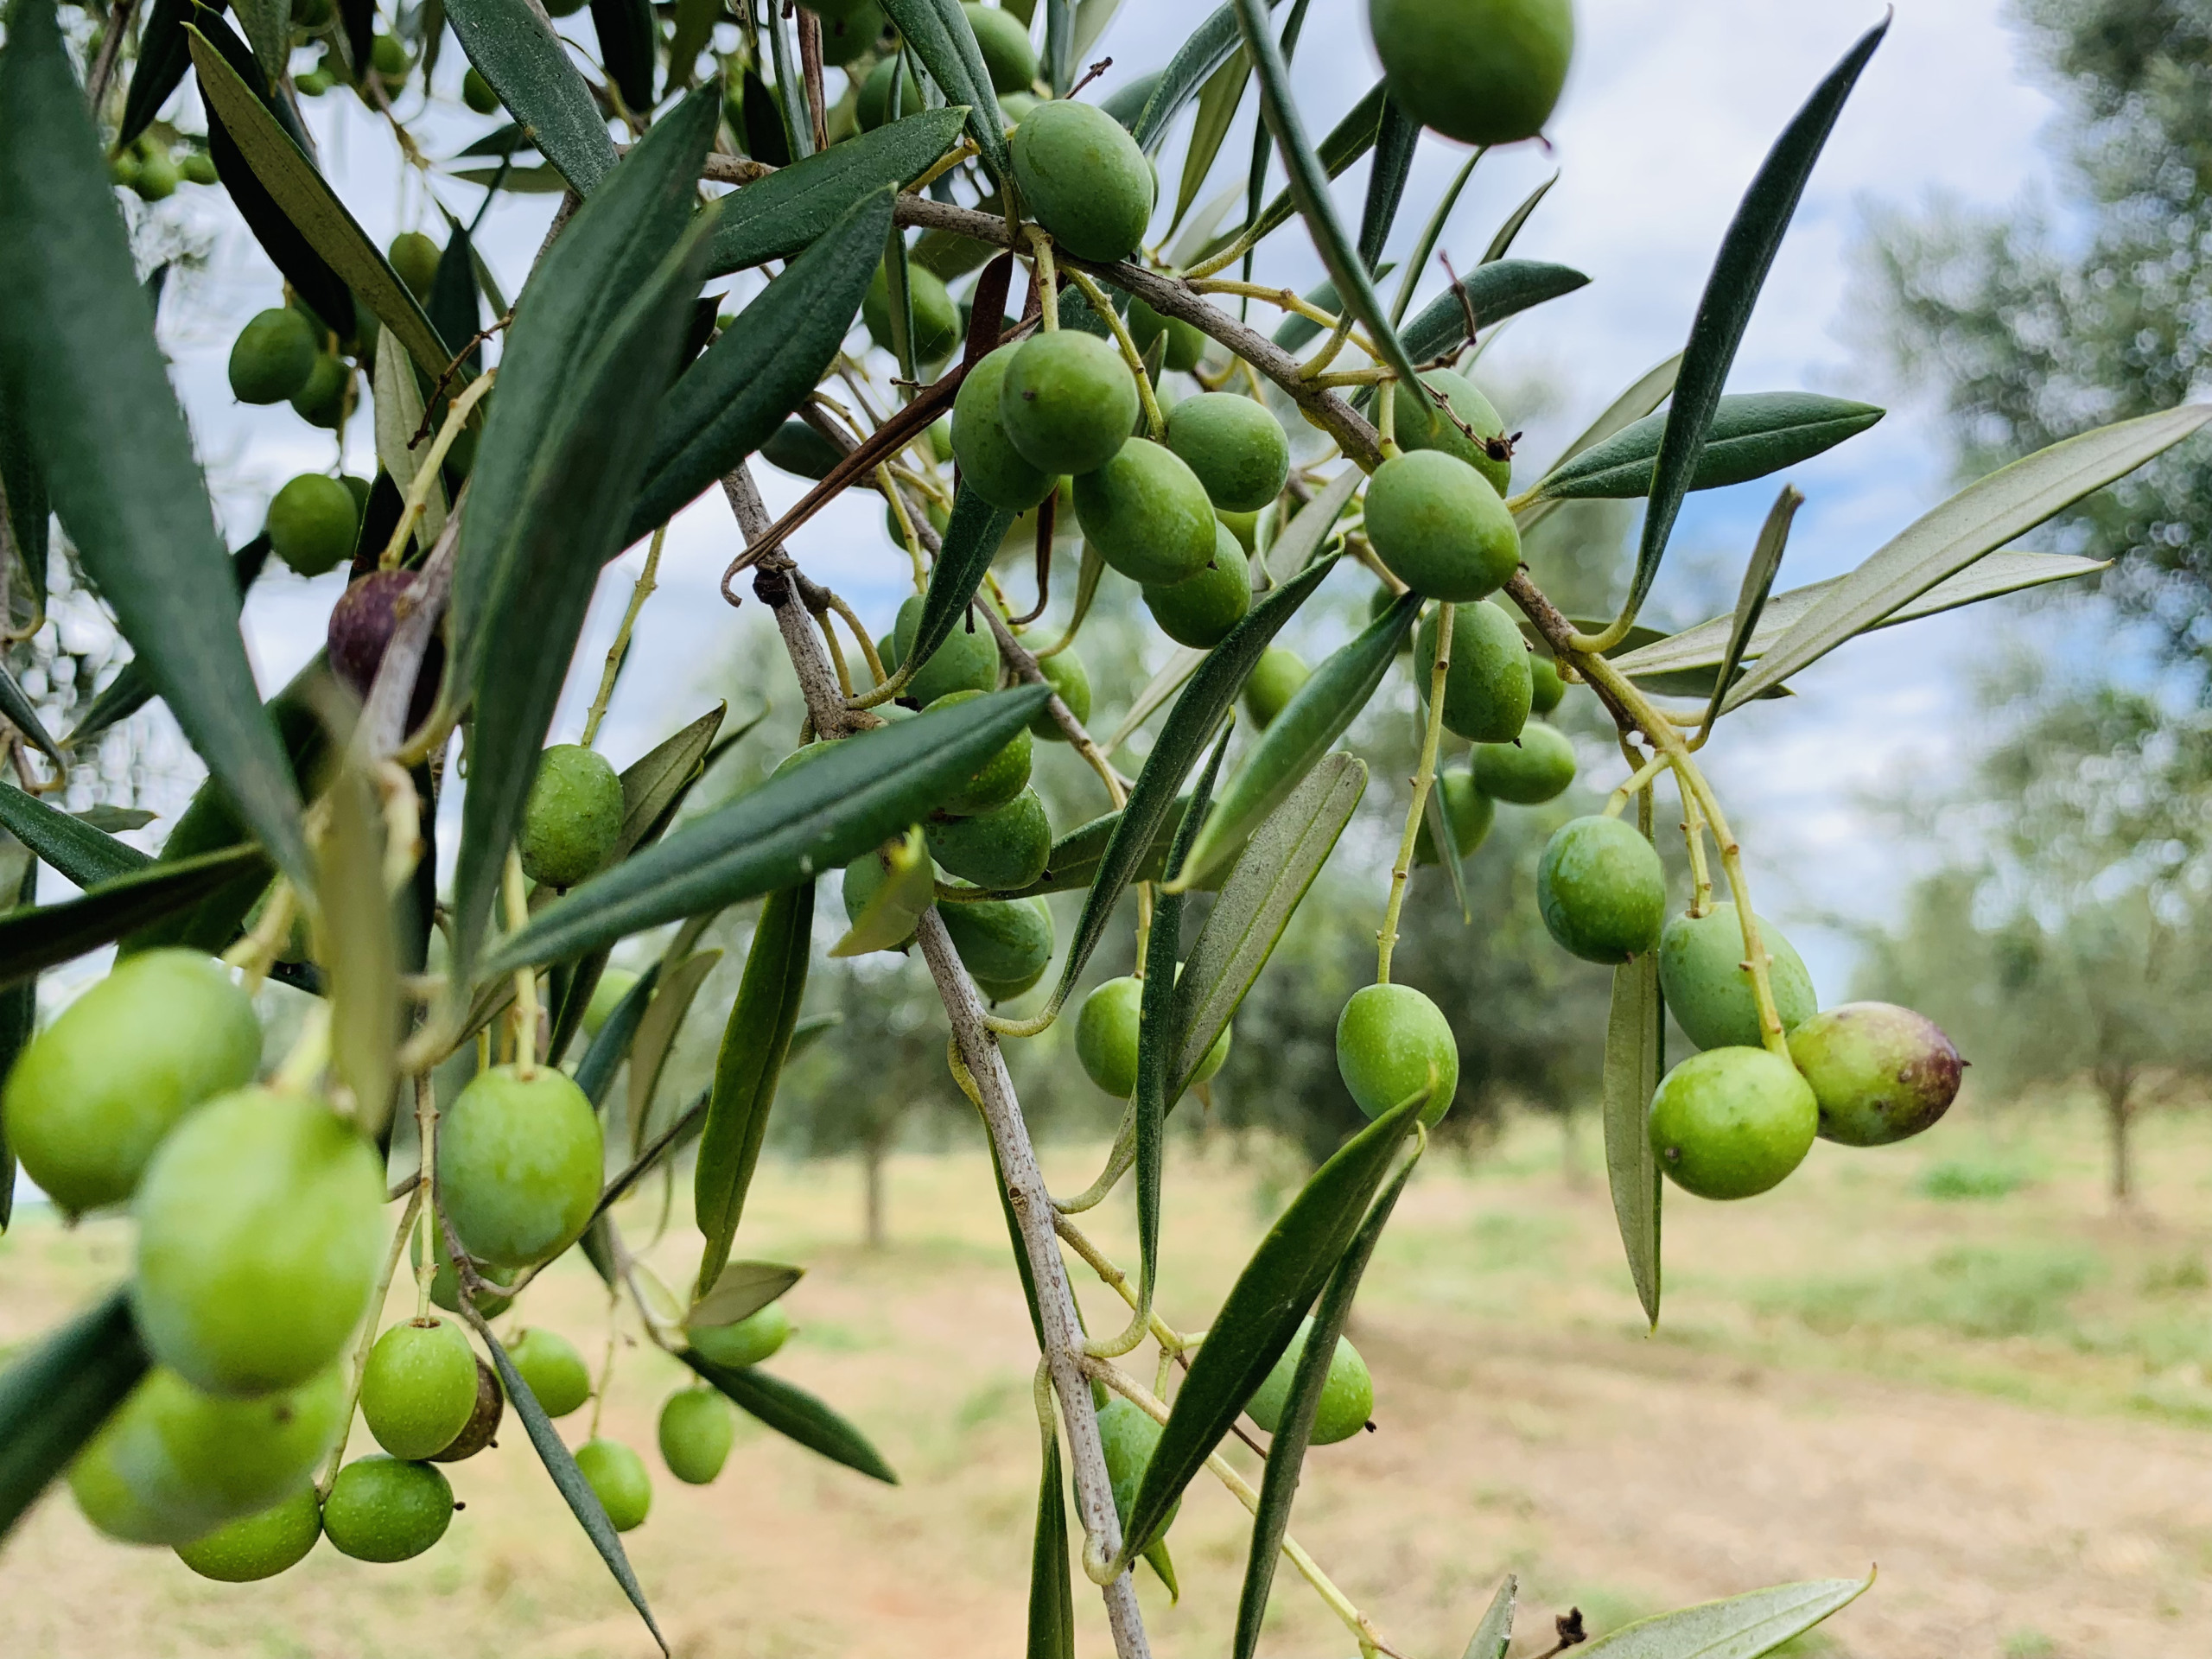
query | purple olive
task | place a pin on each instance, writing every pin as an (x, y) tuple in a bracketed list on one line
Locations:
[(361, 626), (1880, 1072)]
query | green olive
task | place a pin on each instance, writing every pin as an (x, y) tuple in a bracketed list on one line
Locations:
[(320, 400), (1128, 1437), (1548, 687), (797, 448), (1003, 848), (864, 878), (1879, 1072), (1438, 527), (1004, 41), (990, 464), (1488, 451), (257, 1546), (1067, 402), (1601, 889), (614, 984), (1273, 680), (1487, 685), (1483, 71), (1392, 1043), (1070, 683), (1200, 610), (413, 259), (934, 513), (760, 1335), (998, 780), (1708, 989), (311, 523), (1083, 178), (848, 32), (383, 1509), (1146, 514), (418, 1390), (156, 177), (552, 1368), (1006, 944), (1238, 450), (574, 817), (1466, 810), (1347, 1397), (1537, 766), (873, 108), (1244, 526), (1186, 341), (477, 93), (1381, 600), (618, 1478), (697, 1427), (272, 356), (967, 661), (937, 324), (1732, 1122), (519, 1164), (1106, 1034)]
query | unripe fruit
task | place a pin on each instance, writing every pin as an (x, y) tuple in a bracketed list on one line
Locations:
[(1392, 1042), (1487, 452), (519, 1163), (320, 400), (1128, 1438), (1730, 1122), (1005, 944), (998, 780), (1003, 848), (445, 1283), (483, 1422), (1601, 889), (1549, 688), (1244, 526), (1487, 685), (198, 167), (258, 1240), (863, 879), (1536, 768), (618, 1476), (94, 1093), (697, 1428), (257, 1547), (1071, 681), (311, 523), (1439, 528), (122, 169), (1347, 1397), (272, 356), (383, 1509), (1067, 402), (852, 32), (1485, 72), (1146, 514), (574, 817), (554, 1371), (760, 1335), (477, 93), (937, 323), (614, 984), (1186, 341), (389, 58), (990, 464), (172, 1463), (418, 1390), (967, 661), (413, 259), (1106, 1035), (1013, 107), (1237, 450), (1467, 810), (797, 448), (1083, 178), (1005, 45), (873, 107), (1879, 1072), (934, 513), (1200, 610), (156, 177), (1708, 989), (1273, 680)]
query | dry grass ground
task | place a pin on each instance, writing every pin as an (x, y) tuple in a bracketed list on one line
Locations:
[(2001, 1400)]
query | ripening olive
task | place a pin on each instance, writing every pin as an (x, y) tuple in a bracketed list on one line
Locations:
[(1347, 1397), (1273, 680), (937, 324), (1128, 1438), (873, 106), (967, 661), (1730, 1122), (483, 1419), (1879, 1072), (258, 1239), (445, 1283), (998, 780), (933, 513), (1535, 768), (574, 815), (1466, 810), (1004, 41), (418, 1390), (1601, 889), (990, 464), (312, 523), (1186, 341), (1083, 178), (1014, 105), (1485, 72), (614, 984), (1006, 944), (1487, 451), (1238, 450), (1439, 528), (94, 1092), (381, 1509), (617, 1476), (1067, 402), (1200, 610), (1071, 681), (1708, 989), (1487, 685), (361, 626), (1392, 1042), (320, 400), (1548, 687), (477, 93), (261, 1546), (697, 1428), (519, 1162), (760, 1335), (1003, 848), (272, 356), (552, 1370), (1146, 514), (414, 260)]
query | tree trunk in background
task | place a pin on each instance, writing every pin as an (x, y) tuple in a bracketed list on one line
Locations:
[(2116, 1086), (874, 1153)]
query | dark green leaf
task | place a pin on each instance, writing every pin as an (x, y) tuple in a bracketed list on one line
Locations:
[(681, 1132), (791, 103), (819, 816), (15, 704), (1503, 242), (1218, 105), (1346, 141), (1739, 270), (1394, 138), (796, 1414), (1261, 1313), (1052, 1598), (358, 20), (1496, 291), (936, 32), (453, 307), (693, 33), (542, 180), (268, 25), (87, 856), (1751, 598), (627, 43), (1742, 1627), (1495, 1634), (18, 1020), (1073, 863), (55, 1397), (742, 1290), (747, 1068), (775, 216), (1752, 433), (761, 367), (511, 47), (163, 57), (24, 528), (46, 936), (1635, 1056), (1189, 728), (1194, 63), (971, 540), (110, 440), (595, 1072), (681, 977)]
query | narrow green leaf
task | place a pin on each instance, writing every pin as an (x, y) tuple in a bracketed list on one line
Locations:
[(796, 1414), (87, 856), (1494, 291), (54, 1398), (742, 1290), (542, 181), (1261, 1313), (680, 1133), (1181, 664), (1189, 728), (676, 989), (750, 1060), (1509, 232), (1295, 1429), (1218, 105), (1262, 892), (1396, 136), (1073, 864), (18, 1023), (1634, 1058), (627, 43), (110, 440), (567, 1480), (937, 33), (1346, 142), (1316, 716), (24, 509), (1060, 45), (693, 35), (1196, 61), (45, 935), (1751, 597), (1495, 1634), (163, 57), (1638, 399), (511, 47), (1303, 536), (358, 952), (1751, 434), (888, 920), (1724, 311), (596, 1071), (268, 25), (1052, 1598), (1447, 849), (1742, 1627), (776, 217), (1984, 515), (971, 539), (1431, 234), (398, 411)]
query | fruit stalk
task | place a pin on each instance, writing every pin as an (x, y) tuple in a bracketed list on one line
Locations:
[(368, 1337), (1154, 421), (647, 581), (1423, 777), (518, 900), (425, 1190), (427, 474)]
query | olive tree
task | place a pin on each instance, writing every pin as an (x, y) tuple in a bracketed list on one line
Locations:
[(206, 1404)]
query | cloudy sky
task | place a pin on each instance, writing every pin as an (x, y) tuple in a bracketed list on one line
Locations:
[(1668, 110)]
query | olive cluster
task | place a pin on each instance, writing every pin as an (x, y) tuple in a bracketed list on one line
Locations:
[(152, 165)]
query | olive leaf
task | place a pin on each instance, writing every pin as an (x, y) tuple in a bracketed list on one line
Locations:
[(1181, 664), (87, 856), (1635, 1056), (23, 500), (1751, 598), (129, 691), (1350, 138), (357, 948), (676, 990), (627, 41), (775, 216), (1492, 292), (1196, 61), (512, 46), (268, 25), (1073, 863), (45, 935), (796, 1414), (681, 1130), (18, 1021), (742, 1290), (1508, 232), (937, 33), (1052, 1599), (603, 1058), (1495, 1633), (888, 919), (1751, 434), (163, 57), (55, 1397), (1742, 1627), (1396, 136), (972, 537), (1303, 536), (18, 708), (1218, 106), (110, 440)]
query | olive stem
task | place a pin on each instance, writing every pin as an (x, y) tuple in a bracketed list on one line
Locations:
[(860, 634), (606, 1362), (897, 498), (258, 949), (641, 591), (1086, 588), (368, 1337), (1432, 738), (1616, 802), (425, 475), (1700, 872), (517, 905), (310, 1054), (426, 1125), (1386, 425), (1154, 421), (1330, 349), (1119, 1161), (1047, 272), (1170, 1339)]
